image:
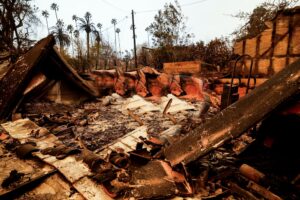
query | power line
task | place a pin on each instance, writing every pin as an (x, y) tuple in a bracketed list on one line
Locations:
[(193, 3), (146, 11), (112, 5), (118, 22), (183, 5)]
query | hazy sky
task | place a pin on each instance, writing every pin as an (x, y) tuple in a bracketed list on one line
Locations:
[(206, 19)]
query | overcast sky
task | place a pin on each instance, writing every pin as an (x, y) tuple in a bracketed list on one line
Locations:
[(206, 19)]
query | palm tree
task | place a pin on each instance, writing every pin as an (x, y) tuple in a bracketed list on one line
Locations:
[(87, 25), (54, 7), (76, 32), (79, 53), (148, 33), (99, 25), (127, 59), (98, 40), (60, 34), (76, 35), (75, 18), (45, 14), (114, 22), (118, 32), (70, 29)]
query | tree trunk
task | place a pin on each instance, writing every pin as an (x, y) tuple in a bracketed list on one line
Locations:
[(115, 39), (98, 53), (56, 16), (61, 46), (47, 25), (88, 46), (119, 45)]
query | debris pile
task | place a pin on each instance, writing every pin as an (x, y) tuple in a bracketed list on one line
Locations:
[(145, 134), (133, 148)]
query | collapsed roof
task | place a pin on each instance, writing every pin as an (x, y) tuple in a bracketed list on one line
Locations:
[(42, 72)]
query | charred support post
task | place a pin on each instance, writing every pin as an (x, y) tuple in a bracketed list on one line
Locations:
[(166, 114), (237, 118)]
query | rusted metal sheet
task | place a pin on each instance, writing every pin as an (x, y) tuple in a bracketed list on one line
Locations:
[(237, 118), (54, 187), (16, 173), (74, 170)]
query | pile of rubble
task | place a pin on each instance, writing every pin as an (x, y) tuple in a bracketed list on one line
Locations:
[(144, 135)]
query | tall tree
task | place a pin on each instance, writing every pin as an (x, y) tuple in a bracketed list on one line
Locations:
[(70, 29), (99, 26), (118, 30), (15, 17), (87, 25), (61, 35), (54, 7), (168, 28), (76, 34), (75, 18), (147, 30), (114, 22), (45, 14), (79, 50), (218, 52), (98, 40), (127, 58)]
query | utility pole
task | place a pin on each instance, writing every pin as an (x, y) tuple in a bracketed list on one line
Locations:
[(134, 43)]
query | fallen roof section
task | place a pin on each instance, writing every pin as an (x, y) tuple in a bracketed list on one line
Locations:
[(42, 58), (237, 118)]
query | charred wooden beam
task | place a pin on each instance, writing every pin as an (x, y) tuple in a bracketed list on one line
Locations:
[(237, 118), (251, 173), (167, 106), (242, 192), (171, 118), (135, 117), (263, 191)]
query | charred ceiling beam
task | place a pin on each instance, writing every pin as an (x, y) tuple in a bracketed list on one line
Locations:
[(237, 118)]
